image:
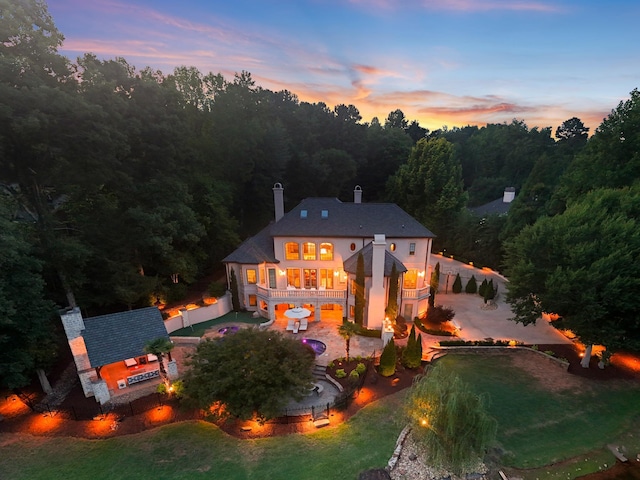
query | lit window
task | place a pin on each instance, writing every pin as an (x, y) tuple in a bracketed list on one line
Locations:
[(410, 279), (310, 278), (392, 247), (253, 300), (262, 276), (412, 249), (292, 251), (293, 277), (326, 278), (326, 251), (251, 275), (308, 251), (352, 311)]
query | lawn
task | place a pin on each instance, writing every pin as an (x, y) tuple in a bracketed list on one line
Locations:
[(199, 450), (199, 329), (537, 427)]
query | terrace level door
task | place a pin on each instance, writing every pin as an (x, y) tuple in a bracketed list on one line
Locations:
[(310, 277)]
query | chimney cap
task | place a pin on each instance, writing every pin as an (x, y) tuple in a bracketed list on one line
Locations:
[(277, 185)]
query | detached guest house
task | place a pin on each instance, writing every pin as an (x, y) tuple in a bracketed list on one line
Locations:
[(308, 258)]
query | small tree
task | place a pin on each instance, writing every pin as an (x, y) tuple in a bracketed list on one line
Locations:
[(159, 347), (347, 330), (388, 360), (450, 420), (472, 285), (392, 303), (489, 292), (359, 301), (412, 354), (250, 373), (440, 314), (235, 297), (457, 284), (482, 288), (434, 282), (432, 298)]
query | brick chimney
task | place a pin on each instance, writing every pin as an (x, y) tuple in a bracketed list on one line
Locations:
[(278, 200), (357, 194)]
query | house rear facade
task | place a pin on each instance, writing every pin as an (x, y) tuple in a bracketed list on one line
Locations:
[(308, 257)]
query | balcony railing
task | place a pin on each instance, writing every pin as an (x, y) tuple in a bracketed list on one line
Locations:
[(419, 293), (301, 293)]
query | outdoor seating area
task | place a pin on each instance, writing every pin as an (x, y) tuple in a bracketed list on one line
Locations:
[(298, 319)]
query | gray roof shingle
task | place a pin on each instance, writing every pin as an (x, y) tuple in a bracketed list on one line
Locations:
[(350, 265), (117, 336), (348, 220), (256, 249)]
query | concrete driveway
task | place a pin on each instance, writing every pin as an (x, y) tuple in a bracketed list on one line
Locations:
[(477, 322)]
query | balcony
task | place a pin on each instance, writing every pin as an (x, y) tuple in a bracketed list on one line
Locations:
[(296, 294), (419, 293)]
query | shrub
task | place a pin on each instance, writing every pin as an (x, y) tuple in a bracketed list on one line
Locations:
[(472, 285), (361, 368), (412, 355), (440, 314), (482, 288), (365, 332), (354, 374), (388, 360), (457, 284), (340, 373), (331, 365)]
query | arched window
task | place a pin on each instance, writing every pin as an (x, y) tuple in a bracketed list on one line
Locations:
[(292, 251), (326, 251), (353, 247), (308, 251), (392, 247)]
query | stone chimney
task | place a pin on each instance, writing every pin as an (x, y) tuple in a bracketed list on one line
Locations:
[(278, 200), (72, 322), (357, 194), (377, 300), (509, 195)]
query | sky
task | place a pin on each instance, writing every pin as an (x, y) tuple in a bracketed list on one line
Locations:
[(442, 62)]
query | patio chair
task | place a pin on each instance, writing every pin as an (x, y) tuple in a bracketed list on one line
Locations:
[(290, 326), (296, 327), (304, 323)]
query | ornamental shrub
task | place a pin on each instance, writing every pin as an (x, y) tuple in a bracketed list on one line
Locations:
[(388, 360), (457, 284), (482, 288), (412, 355), (354, 374), (472, 285), (361, 368), (340, 373)]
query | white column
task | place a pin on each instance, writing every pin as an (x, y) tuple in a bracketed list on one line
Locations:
[(377, 300)]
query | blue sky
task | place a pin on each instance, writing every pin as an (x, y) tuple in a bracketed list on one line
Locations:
[(445, 62)]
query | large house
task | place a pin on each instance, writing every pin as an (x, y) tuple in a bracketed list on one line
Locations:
[(308, 258)]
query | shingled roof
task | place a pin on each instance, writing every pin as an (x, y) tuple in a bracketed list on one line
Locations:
[(351, 264), (256, 249), (117, 336), (329, 217)]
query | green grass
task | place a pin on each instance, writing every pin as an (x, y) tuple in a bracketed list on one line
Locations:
[(537, 427), (543, 434), (197, 450), (199, 329)]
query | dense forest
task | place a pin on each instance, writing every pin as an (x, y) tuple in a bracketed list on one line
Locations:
[(120, 187)]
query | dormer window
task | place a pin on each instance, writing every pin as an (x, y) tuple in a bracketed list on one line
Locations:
[(324, 214), (303, 214)]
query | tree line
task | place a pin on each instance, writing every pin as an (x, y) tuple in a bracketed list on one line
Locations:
[(121, 187)]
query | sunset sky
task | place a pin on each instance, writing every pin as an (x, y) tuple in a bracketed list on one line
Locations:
[(444, 62)]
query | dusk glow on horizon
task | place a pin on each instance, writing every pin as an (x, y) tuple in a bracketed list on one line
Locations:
[(447, 62)]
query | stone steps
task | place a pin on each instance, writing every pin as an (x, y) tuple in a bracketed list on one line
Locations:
[(320, 372)]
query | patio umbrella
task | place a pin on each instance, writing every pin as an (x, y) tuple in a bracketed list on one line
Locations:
[(297, 313)]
